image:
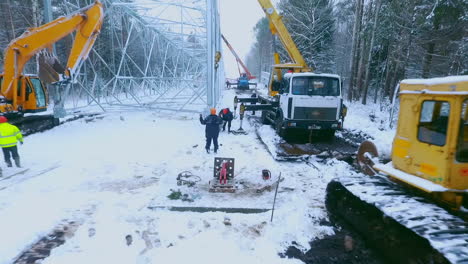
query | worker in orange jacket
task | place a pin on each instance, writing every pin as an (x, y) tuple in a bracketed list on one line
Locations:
[(9, 137)]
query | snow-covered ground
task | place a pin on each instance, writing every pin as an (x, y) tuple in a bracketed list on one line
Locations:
[(372, 121), (104, 175)]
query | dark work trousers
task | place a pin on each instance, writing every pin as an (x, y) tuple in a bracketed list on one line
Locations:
[(8, 152), (215, 142), (229, 125)]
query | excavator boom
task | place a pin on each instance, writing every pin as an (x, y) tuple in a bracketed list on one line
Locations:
[(86, 22)]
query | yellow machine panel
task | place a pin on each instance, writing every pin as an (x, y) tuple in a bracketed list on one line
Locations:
[(431, 140)]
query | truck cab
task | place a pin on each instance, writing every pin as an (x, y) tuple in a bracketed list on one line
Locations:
[(243, 82), (309, 101)]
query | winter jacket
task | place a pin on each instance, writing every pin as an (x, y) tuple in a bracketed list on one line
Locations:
[(9, 135), (226, 117), (212, 123)]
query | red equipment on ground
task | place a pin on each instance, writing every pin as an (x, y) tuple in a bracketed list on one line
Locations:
[(223, 174)]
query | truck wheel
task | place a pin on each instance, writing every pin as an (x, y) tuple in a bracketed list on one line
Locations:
[(264, 118), (329, 134), (279, 127)]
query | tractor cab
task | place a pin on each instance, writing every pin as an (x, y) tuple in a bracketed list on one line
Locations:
[(431, 140)]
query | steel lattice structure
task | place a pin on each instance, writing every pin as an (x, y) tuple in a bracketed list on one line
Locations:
[(156, 54)]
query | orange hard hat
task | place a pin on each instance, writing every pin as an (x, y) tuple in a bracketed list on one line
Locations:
[(213, 111)]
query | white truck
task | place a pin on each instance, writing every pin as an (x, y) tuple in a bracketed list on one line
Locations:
[(299, 99), (307, 101)]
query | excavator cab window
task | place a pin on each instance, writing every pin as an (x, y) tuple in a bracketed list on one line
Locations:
[(18, 88), (433, 122), (462, 145), (39, 91), (28, 91)]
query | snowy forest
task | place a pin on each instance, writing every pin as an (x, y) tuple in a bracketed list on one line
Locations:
[(371, 44)]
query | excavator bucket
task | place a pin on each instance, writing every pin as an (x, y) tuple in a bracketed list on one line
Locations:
[(49, 68)]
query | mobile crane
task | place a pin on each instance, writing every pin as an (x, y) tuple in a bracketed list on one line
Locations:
[(299, 99), (26, 93), (429, 165), (244, 78)]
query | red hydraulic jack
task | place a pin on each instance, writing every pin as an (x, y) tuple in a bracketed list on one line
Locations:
[(223, 173), (223, 176)]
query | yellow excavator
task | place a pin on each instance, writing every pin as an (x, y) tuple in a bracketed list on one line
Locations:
[(26, 93), (415, 207)]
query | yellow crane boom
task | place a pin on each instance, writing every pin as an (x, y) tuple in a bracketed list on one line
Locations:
[(278, 28)]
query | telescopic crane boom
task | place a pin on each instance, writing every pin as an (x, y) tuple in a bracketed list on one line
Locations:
[(278, 28), (249, 75)]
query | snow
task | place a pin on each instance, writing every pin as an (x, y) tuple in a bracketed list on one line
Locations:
[(435, 81), (425, 91), (372, 121), (103, 175), (106, 175), (314, 74), (408, 178)]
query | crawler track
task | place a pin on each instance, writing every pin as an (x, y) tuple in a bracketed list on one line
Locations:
[(401, 227), (39, 123)]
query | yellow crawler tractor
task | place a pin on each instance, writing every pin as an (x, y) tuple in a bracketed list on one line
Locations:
[(429, 157), (430, 148)]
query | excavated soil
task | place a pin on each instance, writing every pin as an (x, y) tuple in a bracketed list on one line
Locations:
[(345, 246), (42, 248)]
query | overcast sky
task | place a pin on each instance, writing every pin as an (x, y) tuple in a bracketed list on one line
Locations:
[(238, 18)]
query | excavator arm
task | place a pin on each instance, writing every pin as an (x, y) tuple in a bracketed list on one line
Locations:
[(278, 28), (86, 22)]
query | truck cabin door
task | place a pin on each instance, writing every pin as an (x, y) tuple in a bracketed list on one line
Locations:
[(285, 99)]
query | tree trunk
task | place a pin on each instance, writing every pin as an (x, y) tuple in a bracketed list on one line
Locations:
[(369, 54), (355, 44), (36, 23), (361, 66), (428, 60)]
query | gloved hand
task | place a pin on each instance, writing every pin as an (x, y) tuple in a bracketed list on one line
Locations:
[(21, 142)]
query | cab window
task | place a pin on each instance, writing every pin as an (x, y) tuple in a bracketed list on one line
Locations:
[(18, 88), (315, 86), (462, 144), (39, 91), (433, 122), (284, 87), (28, 91)]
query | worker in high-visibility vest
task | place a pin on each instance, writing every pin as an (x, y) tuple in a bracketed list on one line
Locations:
[(9, 137)]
